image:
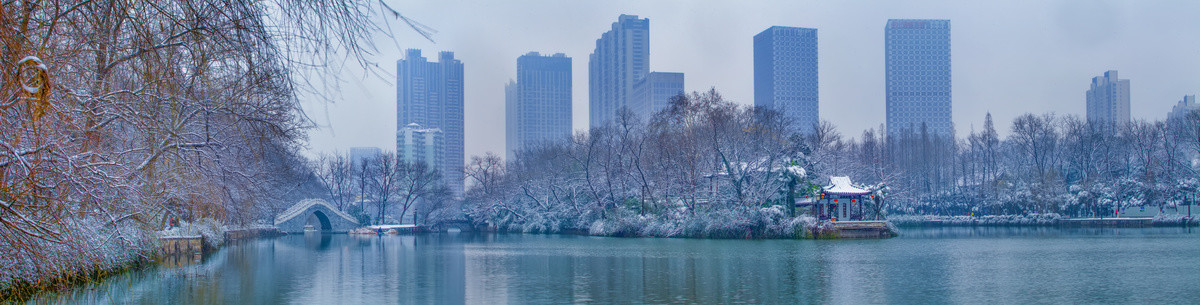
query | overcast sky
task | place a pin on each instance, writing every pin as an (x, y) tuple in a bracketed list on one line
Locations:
[(1007, 57)]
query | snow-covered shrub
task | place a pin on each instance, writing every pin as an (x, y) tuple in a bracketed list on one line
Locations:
[(664, 228), (1173, 219), (212, 230), (739, 223), (601, 228), (94, 245), (821, 228)]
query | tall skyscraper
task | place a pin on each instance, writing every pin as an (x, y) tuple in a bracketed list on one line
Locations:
[(1108, 99), (538, 105), (430, 94), (917, 55), (510, 119), (417, 144), (785, 74), (1183, 107), (621, 58), (653, 93)]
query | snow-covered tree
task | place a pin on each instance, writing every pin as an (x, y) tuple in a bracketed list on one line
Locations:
[(120, 115)]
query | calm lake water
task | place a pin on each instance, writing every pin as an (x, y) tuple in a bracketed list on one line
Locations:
[(923, 266)]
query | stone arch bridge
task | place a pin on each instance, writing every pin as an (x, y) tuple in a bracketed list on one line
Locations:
[(318, 213)]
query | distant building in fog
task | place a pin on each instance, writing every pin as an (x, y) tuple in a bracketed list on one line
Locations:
[(416, 144), (620, 60), (785, 74), (1108, 99), (917, 59), (538, 104), (510, 119), (1183, 107), (653, 93), (359, 154)]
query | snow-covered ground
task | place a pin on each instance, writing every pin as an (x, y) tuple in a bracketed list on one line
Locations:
[(1016, 220)]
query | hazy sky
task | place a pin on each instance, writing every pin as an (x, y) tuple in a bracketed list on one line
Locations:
[(1007, 57)]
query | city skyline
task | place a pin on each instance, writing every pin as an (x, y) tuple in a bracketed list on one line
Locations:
[(989, 55), (1185, 105)]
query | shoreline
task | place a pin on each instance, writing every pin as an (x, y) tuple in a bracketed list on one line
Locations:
[(824, 230), (24, 290), (1044, 220)]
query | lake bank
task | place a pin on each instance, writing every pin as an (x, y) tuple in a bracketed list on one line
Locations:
[(1047, 220)]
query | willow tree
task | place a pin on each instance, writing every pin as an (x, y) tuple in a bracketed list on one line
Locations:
[(120, 114)]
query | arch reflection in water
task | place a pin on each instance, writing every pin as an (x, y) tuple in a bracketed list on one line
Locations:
[(318, 240)]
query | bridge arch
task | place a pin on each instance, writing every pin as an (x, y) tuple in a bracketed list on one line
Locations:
[(318, 221), (315, 212)]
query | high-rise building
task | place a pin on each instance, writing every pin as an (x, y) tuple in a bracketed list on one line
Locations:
[(510, 119), (785, 74), (621, 58), (538, 105), (917, 56), (653, 93), (1108, 99), (1183, 107), (430, 94), (416, 144)]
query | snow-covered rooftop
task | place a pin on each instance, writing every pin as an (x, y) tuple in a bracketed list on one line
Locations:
[(843, 186)]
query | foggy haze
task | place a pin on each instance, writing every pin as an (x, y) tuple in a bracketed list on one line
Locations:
[(1008, 58)]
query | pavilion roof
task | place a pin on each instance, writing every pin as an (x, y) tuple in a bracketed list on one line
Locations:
[(843, 186)]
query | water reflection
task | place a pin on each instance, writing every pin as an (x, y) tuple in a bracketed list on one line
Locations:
[(1032, 231), (317, 240), (946, 265), (181, 260)]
